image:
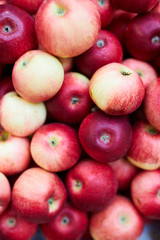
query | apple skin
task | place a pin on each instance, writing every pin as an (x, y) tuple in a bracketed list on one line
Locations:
[(72, 103), (17, 34), (144, 69), (5, 193), (69, 224), (15, 153), (125, 172), (91, 185), (116, 89), (6, 85), (142, 36), (139, 155), (38, 195), (30, 6), (145, 193), (20, 117), (67, 64), (119, 221), (37, 76), (14, 227), (106, 49), (69, 17), (136, 6), (105, 138), (55, 147)]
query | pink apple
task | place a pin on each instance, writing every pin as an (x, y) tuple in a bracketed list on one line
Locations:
[(144, 69), (38, 195), (125, 172), (5, 193), (145, 192), (20, 117), (55, 147), (69, 224), (37, 76), (30, 6), (116, 89), (142, 36), (67, 28), (3, 2), (139, 155), (91, 185), (67, 64), (118, 221), (105, 138), (17, 34), (72, 103), (152, 104), (6, 85), (136, 6), (106, 49), (14, 227)]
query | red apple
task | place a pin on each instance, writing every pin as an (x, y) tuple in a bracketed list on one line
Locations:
[(118, 221), (69, 224), (105, 138), (17, 34), (144, 69), (91, 185), (55, 147), (37, 76), (67, 63), (139, 155), (74, 26), (156, 7), (72, 103), (145, 192), (20, 117), (5, 193), (30, 6), (142, 36), (116, 89), (14, 227), (106, 49), (136, 6), (38, 195), (6, 85)]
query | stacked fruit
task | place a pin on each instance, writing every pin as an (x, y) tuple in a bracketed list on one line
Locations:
[(79, 118)]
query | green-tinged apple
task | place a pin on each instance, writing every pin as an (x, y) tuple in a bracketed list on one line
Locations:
[(5, 193), (67, 28), (20, 117), (38, 195), (37, 76), (55, 147), (116, 89)]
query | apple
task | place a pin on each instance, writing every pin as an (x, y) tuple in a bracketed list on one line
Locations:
[(156, 7), (145, 70), (142, 36), (55, 147), (30, 6), (145, 193), (6, 85), (17, 33), (5, 193), (105, 138), (136, 6), (91, 185), (37, 76), (138, 154), (67, 28), (152, 104), (72, 103), (15, 153), (119, 221), (116, 89), (106, 49), (3, 2), (125, 172), (67, 64), (14, 227), (38, 195), (69, 224), (20, 117)]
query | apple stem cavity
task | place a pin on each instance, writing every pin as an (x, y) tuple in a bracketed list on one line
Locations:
[(50, 201), (65, 220), (53, 142), (59, 10), (74, 100), (123, 219), (151, 130), (7, 29), (125, 73), (78, 184), (158, 194), (100, 43), (156, 40), (11, 222), (105, 138), (4, 136), (101, 2)]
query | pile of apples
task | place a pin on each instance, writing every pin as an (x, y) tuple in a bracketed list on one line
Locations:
[(79, 118)]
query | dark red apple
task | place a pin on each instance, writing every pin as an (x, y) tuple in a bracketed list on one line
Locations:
[(106, 49), (17, 34), (30, 6), (105, 138), (6, 85), (69, 224)]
